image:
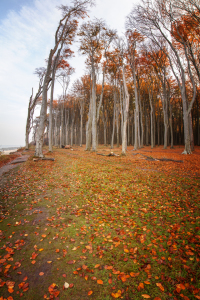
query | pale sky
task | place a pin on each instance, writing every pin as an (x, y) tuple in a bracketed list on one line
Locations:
[(27, 30)]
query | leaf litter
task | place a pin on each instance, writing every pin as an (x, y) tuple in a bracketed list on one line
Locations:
[(112, 229)]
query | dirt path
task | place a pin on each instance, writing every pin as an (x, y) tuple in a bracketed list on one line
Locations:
[(13, 164)]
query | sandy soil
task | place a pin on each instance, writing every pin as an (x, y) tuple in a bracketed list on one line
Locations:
[(6, 152)]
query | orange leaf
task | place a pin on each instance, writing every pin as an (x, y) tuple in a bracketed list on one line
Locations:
[(134, 274), (157, 298), (84, 267), (41, 273), (96, 266), (140, 286), (123, 278), (90, 293), (160, 286), (33, 262), (146, 296), (10, 290), (99, 281)]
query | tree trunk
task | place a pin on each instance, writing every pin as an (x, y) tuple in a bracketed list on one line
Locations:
[(125, 115), (171, 126), (94, 111), (113, 131)]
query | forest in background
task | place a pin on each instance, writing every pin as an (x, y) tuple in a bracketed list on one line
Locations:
[(140, 89)]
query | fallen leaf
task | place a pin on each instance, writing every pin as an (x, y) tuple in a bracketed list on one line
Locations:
[(66, 285), (41, 273), (146, 296), (116, 295), (140, 286), (126, 250), (90, 293), (70, 262), (160, 286), (99, 281)]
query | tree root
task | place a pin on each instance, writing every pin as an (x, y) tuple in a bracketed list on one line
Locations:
[(43, 158), (110, 154), (150, 158)]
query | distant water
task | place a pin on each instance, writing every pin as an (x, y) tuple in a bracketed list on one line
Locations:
[(9, 147)]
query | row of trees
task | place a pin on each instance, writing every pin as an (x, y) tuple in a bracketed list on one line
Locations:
[(139, 89)]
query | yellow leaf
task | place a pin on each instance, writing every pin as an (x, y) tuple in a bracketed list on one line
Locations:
[(116, 295), (126, 250), (41, 249)]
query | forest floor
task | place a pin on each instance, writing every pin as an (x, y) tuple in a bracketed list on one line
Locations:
[(89, 226)]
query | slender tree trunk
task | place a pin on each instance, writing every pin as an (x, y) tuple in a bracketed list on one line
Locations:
[(94, 111), (191, 131), (158, 125), (171, 126), (28, 123), (43, 111), (113, 131), (89, 128), (198, 127), (125, 111), (81, 127), (142, 126)]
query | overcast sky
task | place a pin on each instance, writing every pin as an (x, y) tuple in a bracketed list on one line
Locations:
[(27, 30)]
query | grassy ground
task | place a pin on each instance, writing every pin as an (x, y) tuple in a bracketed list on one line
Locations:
[(88, 226)]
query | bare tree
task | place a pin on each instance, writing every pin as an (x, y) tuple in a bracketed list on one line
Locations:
[(67, 26), (32, 104)]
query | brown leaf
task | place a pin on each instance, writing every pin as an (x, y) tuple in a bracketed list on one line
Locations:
[(70, 262)]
